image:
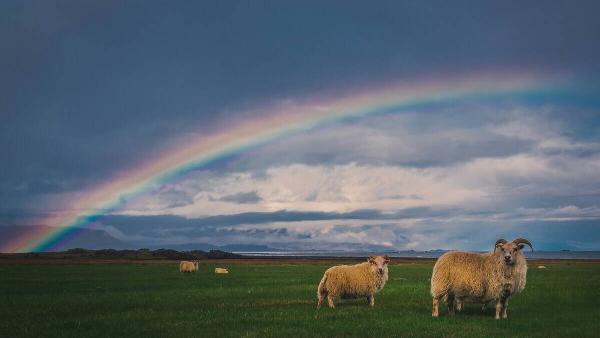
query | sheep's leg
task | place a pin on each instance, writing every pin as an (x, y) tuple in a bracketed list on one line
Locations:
[(321, 297), (504, 309), (459, 305), (506, 292), (451, 304), (330, 300), (435, 312), (498, 309), (371, 300)]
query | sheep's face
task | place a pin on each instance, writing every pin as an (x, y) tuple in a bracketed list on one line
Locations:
[(508, 252), (379, 263)]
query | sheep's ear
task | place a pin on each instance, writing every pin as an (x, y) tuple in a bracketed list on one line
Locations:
[(371, 259), (386, 258)]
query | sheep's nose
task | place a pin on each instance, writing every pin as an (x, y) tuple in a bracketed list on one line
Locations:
[(507, 258), (380, 270)]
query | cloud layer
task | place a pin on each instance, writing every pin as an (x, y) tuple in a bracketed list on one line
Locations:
[(398, 187)]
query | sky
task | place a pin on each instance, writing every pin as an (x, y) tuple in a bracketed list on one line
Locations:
[(91, 90)]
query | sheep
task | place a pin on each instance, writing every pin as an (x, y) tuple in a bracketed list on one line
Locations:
[(187, 266), (354, 281), (221, 270), (480, 278)]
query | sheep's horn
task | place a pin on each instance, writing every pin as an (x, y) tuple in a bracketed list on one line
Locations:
[(523, 241), (500, 241)]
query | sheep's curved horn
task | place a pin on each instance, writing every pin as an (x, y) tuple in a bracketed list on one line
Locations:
[(523, 241), (500, 241)]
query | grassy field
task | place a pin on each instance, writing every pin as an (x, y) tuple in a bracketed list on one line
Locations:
[(274, 300)]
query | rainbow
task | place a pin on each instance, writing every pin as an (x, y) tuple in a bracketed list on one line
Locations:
[(250, 130)]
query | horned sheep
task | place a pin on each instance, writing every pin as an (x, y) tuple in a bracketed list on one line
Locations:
[(187, 266), (354, 281), (480, 278)]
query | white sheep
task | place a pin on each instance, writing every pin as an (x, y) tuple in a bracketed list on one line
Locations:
[(354, 281), (221, 270), (480, 278), (187, 266)]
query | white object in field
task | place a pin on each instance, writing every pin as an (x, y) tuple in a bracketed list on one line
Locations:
[(221, 270)]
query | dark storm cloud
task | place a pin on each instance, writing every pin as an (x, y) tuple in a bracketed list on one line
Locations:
[(250, 197), (172, 198), (137, 223)]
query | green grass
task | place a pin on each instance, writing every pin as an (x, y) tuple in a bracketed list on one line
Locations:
[(274, 300)]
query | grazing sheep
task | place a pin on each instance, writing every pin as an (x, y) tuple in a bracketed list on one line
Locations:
[(354, 281), (480, 278), (221, 270), (187, 266)]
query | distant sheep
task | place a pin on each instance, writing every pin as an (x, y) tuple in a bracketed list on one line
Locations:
[(480, 278), (221, 270), (354, 281), (187, 266)]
